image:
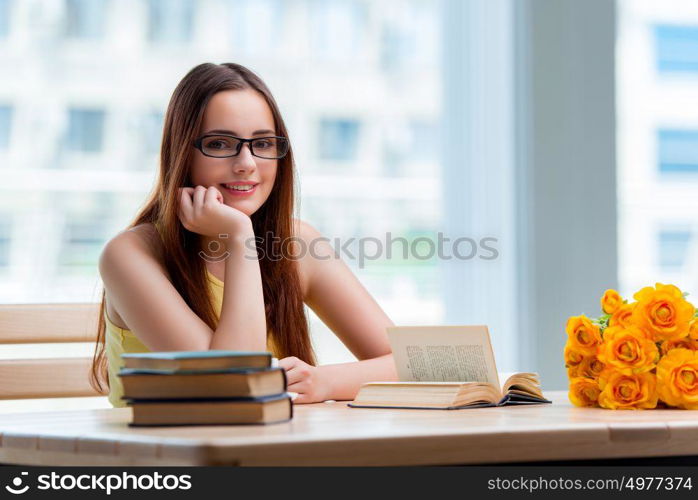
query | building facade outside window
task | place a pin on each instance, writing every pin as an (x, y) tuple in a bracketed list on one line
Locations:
[(85, 130), (85, 19), (170, 21), (676, 48), (677, 151), (5, 12), (338, 139), (657, 80), (5, 126)]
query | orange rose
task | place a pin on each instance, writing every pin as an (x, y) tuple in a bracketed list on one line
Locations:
[(584, 392), (583, 335), (573, 358), (684, 343), (663, 311), (677, 376), (589, 367), (693, 329), (628, 350), (627, 392), (611, 301), (623, 315)]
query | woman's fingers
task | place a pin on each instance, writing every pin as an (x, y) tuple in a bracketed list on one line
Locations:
[(293, 376), (185, 203), (302, 399), (299, 387), (212, 196), (288, 363), (290, 366), (199, 193), (202, 208)]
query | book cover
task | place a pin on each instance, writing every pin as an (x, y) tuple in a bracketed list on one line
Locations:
[(202, 384), (194, 360), (193, 354), (125, 372), (212, 411)]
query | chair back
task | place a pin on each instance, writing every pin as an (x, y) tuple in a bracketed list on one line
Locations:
[(47, 323)]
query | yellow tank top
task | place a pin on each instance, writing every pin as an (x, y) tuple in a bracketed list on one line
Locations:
[(120, 340)]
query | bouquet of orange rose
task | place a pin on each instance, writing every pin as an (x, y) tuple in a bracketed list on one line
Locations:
[(636, 355)]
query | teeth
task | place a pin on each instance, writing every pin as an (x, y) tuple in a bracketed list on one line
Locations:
[(240, 188)]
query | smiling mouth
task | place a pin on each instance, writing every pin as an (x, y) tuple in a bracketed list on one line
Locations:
[(240, 189)]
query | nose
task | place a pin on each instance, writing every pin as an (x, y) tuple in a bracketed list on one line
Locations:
[(244, 161)]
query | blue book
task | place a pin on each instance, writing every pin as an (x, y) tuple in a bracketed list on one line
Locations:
[(197, 360)]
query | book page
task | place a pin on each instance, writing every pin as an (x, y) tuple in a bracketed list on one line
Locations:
[(504, 376), (443, 354), (525, 383)]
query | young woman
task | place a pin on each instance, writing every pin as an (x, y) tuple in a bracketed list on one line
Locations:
[(215, 259)]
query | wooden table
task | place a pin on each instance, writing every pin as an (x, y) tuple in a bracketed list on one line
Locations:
[(333, 434)]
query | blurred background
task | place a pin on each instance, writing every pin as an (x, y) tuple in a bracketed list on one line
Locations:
[(565, 129)]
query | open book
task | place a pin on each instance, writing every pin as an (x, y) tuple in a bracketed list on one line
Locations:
[(447, 367)]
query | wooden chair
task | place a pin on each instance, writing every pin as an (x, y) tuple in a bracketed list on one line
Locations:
[(47, 323)]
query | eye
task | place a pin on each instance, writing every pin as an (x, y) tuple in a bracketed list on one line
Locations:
[(219, 143), (264, 143)]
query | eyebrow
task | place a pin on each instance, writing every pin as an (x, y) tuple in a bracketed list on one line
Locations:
[(230, 132)]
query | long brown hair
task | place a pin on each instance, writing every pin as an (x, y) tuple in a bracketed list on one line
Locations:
[(285, 314)]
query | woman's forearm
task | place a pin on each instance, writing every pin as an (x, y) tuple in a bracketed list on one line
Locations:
[(344, 379), (242, 325)]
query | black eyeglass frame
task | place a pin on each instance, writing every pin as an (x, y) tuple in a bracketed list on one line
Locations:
[(198, 145)]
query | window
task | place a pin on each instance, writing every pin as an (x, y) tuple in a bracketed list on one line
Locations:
[(4, 18), (85, 130), (152, 131), (412, 145), (257, 25), (676, 48), (321, 59), (410, 35), (678, 151), (338, 139), (657, 143), (673, 249), (423, 141), (170, 21), (83, 238), (337, 28), (5, 231), (85, 18), (5, 126)]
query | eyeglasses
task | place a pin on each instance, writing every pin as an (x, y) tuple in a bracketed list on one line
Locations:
[(225, 146)]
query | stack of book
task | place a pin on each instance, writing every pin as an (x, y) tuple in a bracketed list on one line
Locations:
[(204, 388)]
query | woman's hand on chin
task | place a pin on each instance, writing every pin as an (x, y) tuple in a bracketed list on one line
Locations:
[(305, 380), (202, 211)]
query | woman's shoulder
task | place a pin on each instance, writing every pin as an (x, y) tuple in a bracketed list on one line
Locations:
[(310, 241), (141, 234), (140, 240), (312, 249), (128, 252), (305, 231)]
